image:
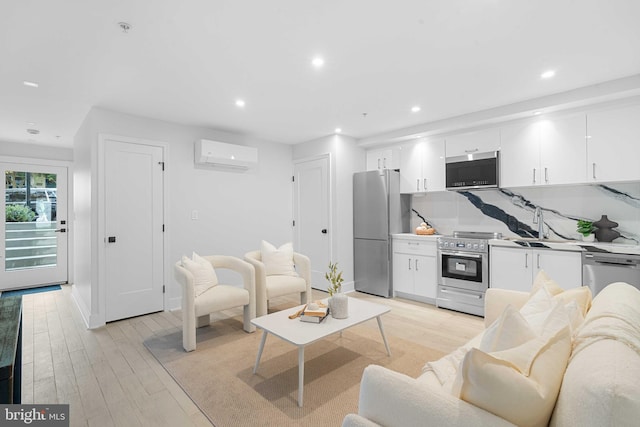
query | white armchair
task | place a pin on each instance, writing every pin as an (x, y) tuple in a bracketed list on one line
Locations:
[(272, 286), (196, 309)]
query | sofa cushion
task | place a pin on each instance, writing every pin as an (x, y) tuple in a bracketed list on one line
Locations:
[(604, 366), (283, 285), (521, 383), (278, 261), (204, 275)]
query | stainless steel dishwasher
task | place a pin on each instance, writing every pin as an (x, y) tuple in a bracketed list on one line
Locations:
[(600, 267)]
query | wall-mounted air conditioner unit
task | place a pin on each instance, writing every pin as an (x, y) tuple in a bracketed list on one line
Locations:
[(223, 155)]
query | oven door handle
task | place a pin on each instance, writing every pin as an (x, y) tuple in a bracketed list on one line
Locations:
[(463, 254)]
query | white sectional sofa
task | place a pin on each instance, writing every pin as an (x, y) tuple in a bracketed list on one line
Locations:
[(600, 375)]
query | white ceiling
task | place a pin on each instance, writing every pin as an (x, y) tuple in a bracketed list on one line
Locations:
[(188, 61)]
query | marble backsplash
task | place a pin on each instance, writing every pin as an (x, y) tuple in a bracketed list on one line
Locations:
[(511, 211)]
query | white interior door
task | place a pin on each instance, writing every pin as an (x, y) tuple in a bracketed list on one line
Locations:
[(312, 209), (34, 243), (133, 229)]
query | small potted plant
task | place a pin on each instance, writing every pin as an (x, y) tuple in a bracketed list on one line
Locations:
[(586, 228), (338, 302)]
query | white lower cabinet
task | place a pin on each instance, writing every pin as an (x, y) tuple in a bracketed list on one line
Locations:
[(515, 269), (414, 269)]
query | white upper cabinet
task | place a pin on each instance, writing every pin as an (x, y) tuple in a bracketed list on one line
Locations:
[(386, 158), (543, 152), (411, 167), (473, 142), (520, 155), (563, 150), (613, 144), (422, 166)]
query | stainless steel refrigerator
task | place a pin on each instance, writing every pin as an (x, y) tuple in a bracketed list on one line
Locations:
[(379, 210)]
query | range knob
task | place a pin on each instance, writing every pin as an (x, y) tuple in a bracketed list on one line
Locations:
[(468, 245), (475, 246)]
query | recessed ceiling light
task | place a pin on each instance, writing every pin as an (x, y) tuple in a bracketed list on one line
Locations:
[(548, 74), (338, 130), (537, 113), (317, 62), (30, 84), (415, 108), (240, 103)]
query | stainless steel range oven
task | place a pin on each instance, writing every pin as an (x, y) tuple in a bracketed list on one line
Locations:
[(463, 271)]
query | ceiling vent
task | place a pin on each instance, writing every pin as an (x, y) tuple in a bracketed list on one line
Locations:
[(33, 131)]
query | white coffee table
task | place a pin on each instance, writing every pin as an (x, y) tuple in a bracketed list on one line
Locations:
[(302, 334)]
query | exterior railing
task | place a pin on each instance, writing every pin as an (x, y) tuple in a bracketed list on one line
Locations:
[(30, 245)]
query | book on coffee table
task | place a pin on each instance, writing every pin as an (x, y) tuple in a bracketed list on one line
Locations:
[(317, 311), (315, 315), (312, 319)]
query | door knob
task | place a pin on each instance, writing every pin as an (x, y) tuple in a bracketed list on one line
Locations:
[(324, 231)]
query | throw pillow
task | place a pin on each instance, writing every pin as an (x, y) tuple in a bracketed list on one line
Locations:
[(581, 295), (278, 261), (509, 330), (497, 385), (539, 305), (543, 279), (204, 275), (521, 383)]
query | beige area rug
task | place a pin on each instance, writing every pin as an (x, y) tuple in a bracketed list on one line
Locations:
[(218, 375)]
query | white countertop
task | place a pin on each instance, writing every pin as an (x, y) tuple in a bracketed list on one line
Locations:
[(569, 245), (557, 245), (413, 236)]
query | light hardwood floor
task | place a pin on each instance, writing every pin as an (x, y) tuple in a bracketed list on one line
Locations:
[(110, 379)]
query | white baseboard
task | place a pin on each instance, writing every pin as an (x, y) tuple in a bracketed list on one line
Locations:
[(349, 287), (82, 308), (173, 304)]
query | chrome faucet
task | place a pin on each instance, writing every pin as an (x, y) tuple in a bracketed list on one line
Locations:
[(538, 218)]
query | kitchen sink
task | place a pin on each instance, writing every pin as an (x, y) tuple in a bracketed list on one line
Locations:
[(529, 243)]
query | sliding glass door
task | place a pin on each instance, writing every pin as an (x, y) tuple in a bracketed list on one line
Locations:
[(33, 248)]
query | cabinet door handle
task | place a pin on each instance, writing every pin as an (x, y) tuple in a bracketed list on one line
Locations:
[(526, 260), (534, 175), (546, 175), (418, 184), (378, 163), (473, 150), (425, 184), (384, 163), (409, 263), (416, 260), (538, 261), (594, 170)]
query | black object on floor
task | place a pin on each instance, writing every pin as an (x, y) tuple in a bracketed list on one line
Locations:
[(6, 294)]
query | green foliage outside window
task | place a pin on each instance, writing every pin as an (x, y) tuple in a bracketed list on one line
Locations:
[(19, 213)]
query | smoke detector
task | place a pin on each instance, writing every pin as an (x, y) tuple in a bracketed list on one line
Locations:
[(124, 26)]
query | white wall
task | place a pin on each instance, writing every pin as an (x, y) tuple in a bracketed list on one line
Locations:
[(347, 158), (35, 151), (236, 210)]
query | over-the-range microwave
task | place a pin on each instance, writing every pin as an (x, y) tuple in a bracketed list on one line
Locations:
[(473, 170)]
